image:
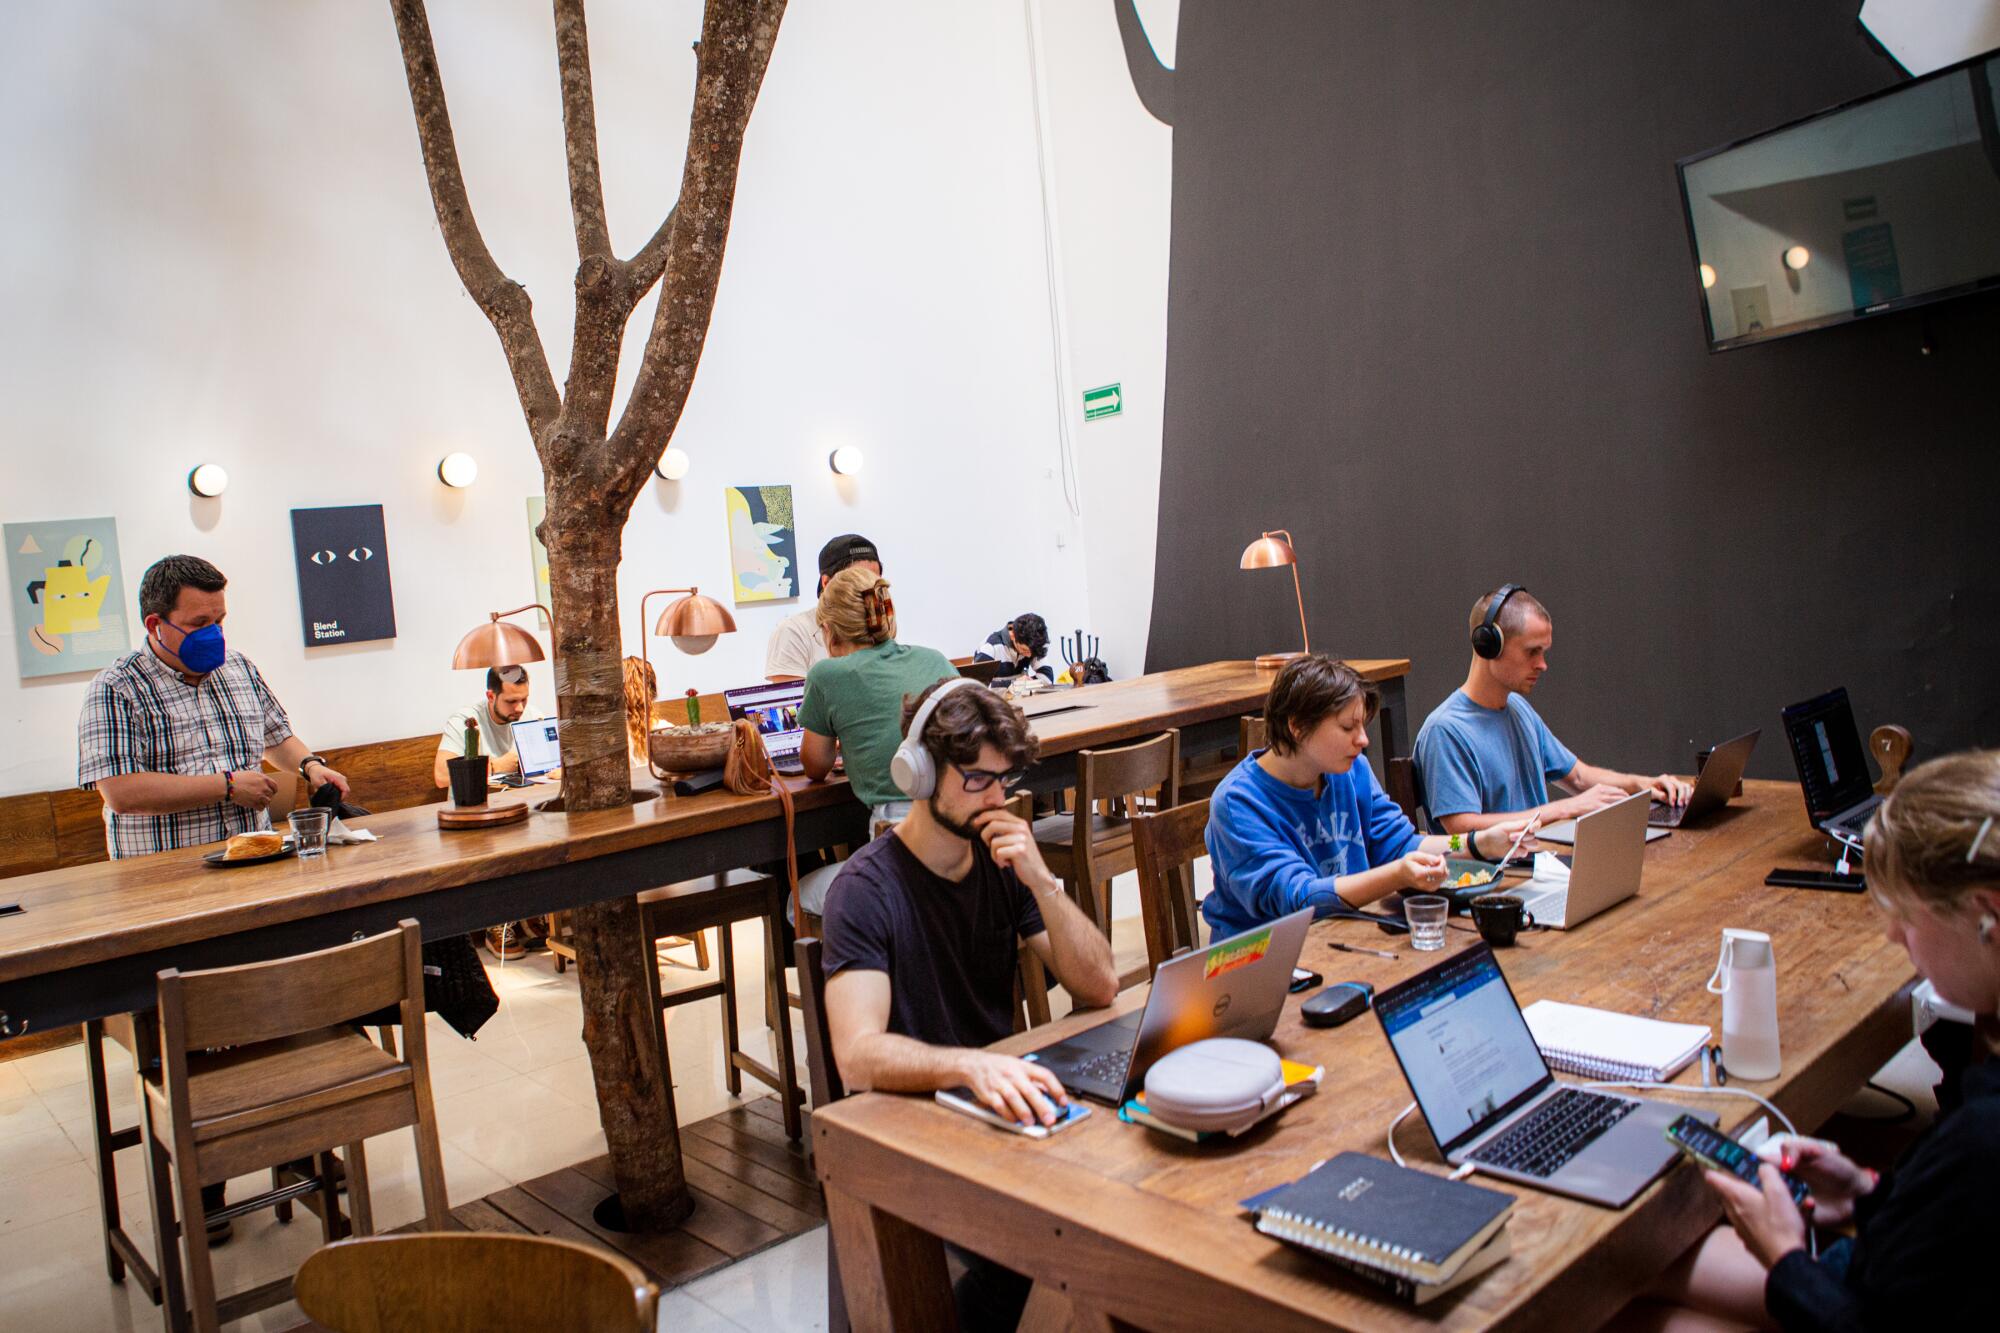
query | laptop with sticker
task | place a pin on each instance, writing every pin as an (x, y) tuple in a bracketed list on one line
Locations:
[(1233, 988)]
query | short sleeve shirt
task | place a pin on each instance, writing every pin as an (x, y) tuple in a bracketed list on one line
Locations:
[(139, 716), (496, 738), (795, 645), (858, 701), (1474, 760), (949, 950)]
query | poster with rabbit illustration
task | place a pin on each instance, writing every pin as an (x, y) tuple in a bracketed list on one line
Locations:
[(343, 561), (68, 595)]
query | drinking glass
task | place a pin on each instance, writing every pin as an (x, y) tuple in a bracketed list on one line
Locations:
[(309, 831), (1426, 914)]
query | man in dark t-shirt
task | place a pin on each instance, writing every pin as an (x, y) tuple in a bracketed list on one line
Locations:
[(923, 928)]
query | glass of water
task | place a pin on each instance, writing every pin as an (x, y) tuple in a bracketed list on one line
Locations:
[(309, 831), (1426, 914)]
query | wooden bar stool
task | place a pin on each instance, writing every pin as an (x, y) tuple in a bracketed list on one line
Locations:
[(827, 1088), (474, 1280), (718, 903), (1166, 846), (1089, 846), (262, 1065)]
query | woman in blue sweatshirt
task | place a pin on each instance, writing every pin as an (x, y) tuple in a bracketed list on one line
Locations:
[(1304, 823)]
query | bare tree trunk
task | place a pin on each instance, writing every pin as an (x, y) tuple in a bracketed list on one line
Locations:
[(592, 471)]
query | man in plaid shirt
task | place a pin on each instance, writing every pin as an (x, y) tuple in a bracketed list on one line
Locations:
[(174, 736)]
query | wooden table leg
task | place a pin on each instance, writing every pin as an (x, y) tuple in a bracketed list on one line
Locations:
[(1051, 1310), (891, 1271)]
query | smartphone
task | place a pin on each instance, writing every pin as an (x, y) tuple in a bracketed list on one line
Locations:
[(966, 1101), (1304, 979), (1719, 1152)]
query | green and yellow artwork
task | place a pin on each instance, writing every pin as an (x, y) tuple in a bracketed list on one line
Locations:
[(763, 543), (67, 594)]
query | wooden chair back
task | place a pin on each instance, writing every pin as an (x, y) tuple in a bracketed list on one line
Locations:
[(1399, 780), (1891, 746), (255, 1002), (1146, 769), (473, 1282), (1251, 734), (1167, 845), (825, 1074)]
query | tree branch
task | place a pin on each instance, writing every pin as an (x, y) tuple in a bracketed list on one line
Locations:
[(586, 186), (504, 301), (644, 269), (736, 41)]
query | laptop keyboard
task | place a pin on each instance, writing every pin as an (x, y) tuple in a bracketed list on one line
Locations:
[(1109, 1068), (1559, 1129)]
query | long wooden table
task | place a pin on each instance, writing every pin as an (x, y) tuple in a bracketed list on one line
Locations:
[(91, 938), (1121, 1226)]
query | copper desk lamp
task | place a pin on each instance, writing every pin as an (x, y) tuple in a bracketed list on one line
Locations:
[(1269, 551), (496, 644), (693, 622)]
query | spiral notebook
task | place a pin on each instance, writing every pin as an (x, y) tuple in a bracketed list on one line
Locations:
[(1599, 1043), (1403, 1222)]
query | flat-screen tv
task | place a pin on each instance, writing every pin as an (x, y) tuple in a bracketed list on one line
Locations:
[(1880, 204)]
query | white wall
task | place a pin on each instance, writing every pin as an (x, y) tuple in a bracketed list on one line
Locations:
[(216, 244)]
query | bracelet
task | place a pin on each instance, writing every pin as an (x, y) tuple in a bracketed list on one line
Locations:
[(228, 785)]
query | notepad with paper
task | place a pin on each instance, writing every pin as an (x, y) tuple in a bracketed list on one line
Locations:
[(1602, 1044)]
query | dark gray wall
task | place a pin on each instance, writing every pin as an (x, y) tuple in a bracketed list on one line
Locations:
[(1432, 308)]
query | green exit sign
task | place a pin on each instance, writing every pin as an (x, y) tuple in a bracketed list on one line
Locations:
[(1108, 401)]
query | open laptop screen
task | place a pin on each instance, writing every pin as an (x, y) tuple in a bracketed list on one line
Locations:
[(1463, 1045), (1827, 750), (536, 743), (775, 710)]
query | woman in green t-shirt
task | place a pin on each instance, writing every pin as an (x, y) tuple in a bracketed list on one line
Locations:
[(853, 707)]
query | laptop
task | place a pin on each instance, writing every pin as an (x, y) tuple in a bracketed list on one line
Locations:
[(1604, 870), (540, 752), (1489, 1098), (1833, 768), (1712, 790), (1233, 988), (775, 709), (985, 669)]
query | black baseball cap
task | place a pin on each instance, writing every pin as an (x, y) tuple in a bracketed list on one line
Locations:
[(845, 550)]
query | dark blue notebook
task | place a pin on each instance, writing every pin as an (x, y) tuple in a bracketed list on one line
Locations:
[(1404, 1221)]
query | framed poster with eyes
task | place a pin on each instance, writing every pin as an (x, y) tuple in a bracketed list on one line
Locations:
[(343, 562)]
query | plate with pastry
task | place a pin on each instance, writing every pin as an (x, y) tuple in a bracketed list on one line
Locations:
[(249, 849)]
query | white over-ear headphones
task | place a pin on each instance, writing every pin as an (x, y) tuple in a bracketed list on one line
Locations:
[(912, 767)]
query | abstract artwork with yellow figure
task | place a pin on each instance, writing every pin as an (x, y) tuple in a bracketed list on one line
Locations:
[(763, 543), (68, 595)]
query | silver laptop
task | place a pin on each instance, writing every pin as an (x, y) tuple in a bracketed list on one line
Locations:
[(1712, 790), (538, 744), (1603, 872), (1233, 988), (1489, 1098), (775, 710)]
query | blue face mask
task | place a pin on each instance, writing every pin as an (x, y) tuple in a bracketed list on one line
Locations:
[(201, 650)]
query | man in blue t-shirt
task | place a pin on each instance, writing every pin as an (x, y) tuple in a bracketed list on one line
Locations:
[(1304, 823), (1485, 756)]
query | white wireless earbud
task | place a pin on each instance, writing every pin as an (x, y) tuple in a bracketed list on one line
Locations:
[(1986, 928)]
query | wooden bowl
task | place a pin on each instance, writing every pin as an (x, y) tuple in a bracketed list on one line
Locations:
[(690, 749)]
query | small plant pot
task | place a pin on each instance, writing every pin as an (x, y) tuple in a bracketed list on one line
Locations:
[(468, 780), (690, 749)]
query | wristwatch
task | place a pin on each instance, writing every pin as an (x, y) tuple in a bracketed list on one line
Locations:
[(310, 759)]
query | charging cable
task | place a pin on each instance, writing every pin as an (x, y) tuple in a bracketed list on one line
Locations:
[(1847, 844)]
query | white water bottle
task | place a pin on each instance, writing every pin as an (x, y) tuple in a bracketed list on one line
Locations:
[(1746, 977)]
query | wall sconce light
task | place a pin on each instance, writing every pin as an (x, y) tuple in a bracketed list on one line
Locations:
[(1707, 276), (208, 480), (458, 470), (846, 460), (673, 464), (1797, 258)]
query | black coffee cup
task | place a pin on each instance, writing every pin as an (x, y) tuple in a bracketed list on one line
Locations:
[(468, 780), (1500, 918)]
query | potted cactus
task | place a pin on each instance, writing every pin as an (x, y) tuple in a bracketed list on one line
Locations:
[(468, 773)]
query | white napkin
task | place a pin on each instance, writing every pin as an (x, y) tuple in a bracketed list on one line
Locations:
[(339, 835)]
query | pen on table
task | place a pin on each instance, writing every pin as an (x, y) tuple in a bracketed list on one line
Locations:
[(1354, 948)]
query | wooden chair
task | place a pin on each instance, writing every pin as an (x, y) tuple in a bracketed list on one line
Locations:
[(1167, 845), (1087, 847), (827, 1088), (261, 1065), (1399, 780), (717, 903), (1891, 746), (1200, 776), (473, 1282)]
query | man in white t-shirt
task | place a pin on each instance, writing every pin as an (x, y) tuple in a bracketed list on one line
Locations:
[(506, 703), (796, 643)]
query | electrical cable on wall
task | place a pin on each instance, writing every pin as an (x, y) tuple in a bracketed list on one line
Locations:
[(1051, 269)]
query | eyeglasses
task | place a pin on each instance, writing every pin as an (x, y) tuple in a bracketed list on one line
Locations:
[(979, 779)]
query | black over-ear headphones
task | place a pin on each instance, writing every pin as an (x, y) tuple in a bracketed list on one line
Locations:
[(1487, 640)]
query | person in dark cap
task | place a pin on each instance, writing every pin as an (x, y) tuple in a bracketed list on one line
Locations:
[(796, 644)]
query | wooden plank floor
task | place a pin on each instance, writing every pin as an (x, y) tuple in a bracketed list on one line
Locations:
[(752, 1189)]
